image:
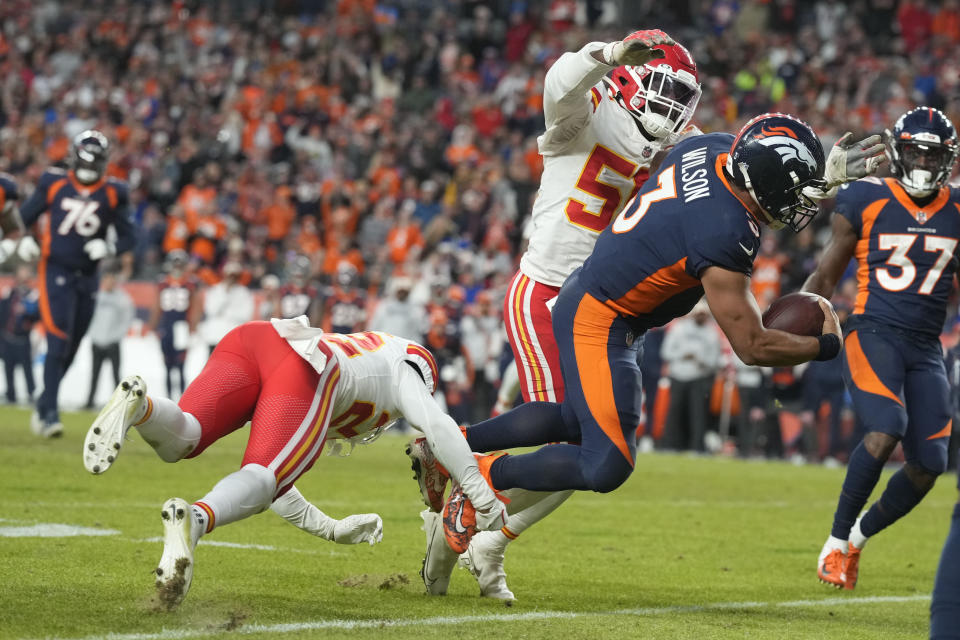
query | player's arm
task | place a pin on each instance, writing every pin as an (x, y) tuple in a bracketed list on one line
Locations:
[(448, 444), (126, 229), (836, 257), (736, 311), (301, 513), (36, 204)]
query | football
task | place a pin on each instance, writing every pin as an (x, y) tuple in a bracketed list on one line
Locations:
[(797, 313)]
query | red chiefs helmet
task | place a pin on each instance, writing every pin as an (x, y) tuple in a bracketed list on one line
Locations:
[(662, 94)]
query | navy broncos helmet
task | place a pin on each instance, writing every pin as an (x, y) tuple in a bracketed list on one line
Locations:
[(774, 157), (922, 149), (88, 156)]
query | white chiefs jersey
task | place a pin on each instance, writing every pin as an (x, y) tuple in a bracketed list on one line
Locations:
[(594, 161), (365, 400)]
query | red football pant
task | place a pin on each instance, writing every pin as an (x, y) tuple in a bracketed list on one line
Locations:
[(253, 375), (530, 332)]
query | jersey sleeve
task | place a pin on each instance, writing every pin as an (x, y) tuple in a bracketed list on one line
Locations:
[(733, 249), (37, 203), (851, 200), (566, 106)]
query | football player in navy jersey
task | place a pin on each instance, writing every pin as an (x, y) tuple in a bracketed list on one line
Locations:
[(693, 229), (82, 204), (25, 248), (298, 297), (903, 232), (172, 320)]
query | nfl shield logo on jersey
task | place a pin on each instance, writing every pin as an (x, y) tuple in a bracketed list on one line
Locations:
[(921, 217)]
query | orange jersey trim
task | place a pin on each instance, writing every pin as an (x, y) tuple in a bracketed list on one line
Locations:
[(595, 97), (721, 162), (591, 332), (868, 217), (912, 208), (862, 373), (54, 188), (655, 289)]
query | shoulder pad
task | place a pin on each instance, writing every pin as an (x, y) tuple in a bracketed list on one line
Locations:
[(424, 363)]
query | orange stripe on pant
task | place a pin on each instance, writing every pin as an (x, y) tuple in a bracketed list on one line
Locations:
[(46, 315), (943, 433), (591, 331), (862, 373), (318, 430)]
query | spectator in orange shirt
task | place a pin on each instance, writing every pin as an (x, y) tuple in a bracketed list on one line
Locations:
[(279, 216), (308, 240), (178, 231), (198, 195), (767, 272), (343, 252), (207, 232), (405, 236)]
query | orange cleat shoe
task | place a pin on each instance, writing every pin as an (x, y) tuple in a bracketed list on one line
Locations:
[(830, 567), (428, 472), (852, 568), (459, 520)]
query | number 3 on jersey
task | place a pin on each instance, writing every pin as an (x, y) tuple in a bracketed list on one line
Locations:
[(590, 182), (666, 189), (900, 244)]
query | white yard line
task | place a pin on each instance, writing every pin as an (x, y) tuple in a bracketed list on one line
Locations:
[(317, 625)]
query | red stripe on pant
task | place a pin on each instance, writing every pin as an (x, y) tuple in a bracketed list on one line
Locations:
[(530, 332)]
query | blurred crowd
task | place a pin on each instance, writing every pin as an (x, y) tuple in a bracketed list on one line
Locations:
[(372, 164)]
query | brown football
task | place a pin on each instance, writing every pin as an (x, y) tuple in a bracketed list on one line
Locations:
[(797, 313)]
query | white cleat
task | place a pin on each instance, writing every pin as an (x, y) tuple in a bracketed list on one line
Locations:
[(440, 559), (175, 571), (43, 428), (484, 559), (104, 439)]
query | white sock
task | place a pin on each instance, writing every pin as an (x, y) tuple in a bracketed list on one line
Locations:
[(509, 388), (836, 543), (857, 538), (200, 523), (544, 503), (171, 432), (240, 495)]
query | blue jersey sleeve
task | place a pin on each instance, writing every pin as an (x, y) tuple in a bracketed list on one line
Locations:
[(37, 203), (8, 190), (851, 200), (733, 248)]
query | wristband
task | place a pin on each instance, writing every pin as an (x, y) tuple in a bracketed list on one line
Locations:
[(829, 346)]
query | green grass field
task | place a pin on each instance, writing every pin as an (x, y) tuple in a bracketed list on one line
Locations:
[(688, 548)]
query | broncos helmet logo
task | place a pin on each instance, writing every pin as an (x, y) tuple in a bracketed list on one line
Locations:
[(789, 148)]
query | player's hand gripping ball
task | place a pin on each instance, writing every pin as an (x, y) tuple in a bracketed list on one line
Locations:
[(797, 313)]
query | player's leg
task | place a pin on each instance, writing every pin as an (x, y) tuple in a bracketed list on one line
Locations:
[(874, 372), (218, 402), (86, 287), (10, 360), (289, 420), (927, 394), (526, 312), (945, 604), (58, 303), (603, 396), (98, 355)]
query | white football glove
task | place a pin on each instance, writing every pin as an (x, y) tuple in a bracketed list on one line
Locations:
[(7, 248), (637, 49), (360, 527), (849, 161), (493, 518), (27, 249), (98, 249)]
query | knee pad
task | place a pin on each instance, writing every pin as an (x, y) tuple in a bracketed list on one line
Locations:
[(262, 485)]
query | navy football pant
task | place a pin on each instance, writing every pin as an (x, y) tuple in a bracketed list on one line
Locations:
[(601, 407), (67, 301)]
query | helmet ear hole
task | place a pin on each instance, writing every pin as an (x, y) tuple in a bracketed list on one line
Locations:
[(623, 81)]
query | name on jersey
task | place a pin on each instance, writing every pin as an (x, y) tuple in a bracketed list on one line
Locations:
[(693, 180), (921, 230)]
